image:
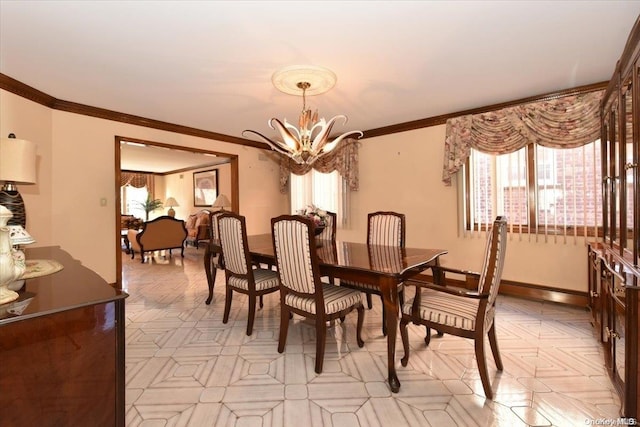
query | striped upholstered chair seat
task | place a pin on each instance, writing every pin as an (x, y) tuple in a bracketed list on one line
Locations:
[(461, 312), (301, 290), (264, 279), (335, 299), (446, 309)]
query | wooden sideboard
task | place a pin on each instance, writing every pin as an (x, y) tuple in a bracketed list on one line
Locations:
[(62, 349)]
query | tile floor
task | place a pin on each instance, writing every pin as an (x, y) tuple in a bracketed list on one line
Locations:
[(184, 367)]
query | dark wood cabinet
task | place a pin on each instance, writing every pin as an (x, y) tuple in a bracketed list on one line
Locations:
[(614, 260), (615, 304), (62, 349)]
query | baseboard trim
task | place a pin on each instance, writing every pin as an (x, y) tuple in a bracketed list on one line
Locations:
[(527, 291)]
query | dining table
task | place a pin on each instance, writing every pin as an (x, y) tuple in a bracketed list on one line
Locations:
[(383, 266)]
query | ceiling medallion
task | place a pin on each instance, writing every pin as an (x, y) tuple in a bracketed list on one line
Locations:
[(310, 140)]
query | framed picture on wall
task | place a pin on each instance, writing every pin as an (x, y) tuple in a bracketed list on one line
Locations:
[(205, 187)]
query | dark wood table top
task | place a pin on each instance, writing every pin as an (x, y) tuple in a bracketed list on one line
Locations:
[(384, 260)]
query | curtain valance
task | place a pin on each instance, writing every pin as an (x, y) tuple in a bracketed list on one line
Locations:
[(137, 180), (566, 122), (344, 159)]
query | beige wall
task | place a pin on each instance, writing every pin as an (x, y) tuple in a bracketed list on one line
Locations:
[(180, 186), (398, 172), (402, 172), (77, 169)]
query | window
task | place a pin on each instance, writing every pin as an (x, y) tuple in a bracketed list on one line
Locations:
[(323, 190), (131, 198), (540, 190)]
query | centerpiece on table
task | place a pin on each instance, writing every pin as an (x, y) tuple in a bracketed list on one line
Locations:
[(317, 215)]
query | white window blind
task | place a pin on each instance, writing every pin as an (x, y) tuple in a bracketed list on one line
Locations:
[(548, 193)]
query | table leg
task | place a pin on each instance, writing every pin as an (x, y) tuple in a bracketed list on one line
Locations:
[(210, 271), (389, 290)]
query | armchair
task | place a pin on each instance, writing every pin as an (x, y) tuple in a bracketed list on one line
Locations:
[(467, 314), (198, 228)]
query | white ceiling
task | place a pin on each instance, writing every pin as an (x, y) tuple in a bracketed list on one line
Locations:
[(149, 158), (208, 64)]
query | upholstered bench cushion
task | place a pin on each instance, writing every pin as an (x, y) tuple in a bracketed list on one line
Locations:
[(445, 308), (336, 299), (265, 279)]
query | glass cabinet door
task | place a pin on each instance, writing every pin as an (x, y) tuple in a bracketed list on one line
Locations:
[(628, 188), (614, 177), (605, 147)]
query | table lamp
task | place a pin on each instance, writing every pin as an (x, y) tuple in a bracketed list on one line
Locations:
[(17, 166), (171, 203), (221, 202)]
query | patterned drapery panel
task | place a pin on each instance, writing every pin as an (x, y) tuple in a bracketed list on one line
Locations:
[(137, 180), (344, 159), (566, 122)]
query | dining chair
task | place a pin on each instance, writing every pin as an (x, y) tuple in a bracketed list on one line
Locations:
[(384, 228), (329, 232), (301, 290), (217, 260), (240, 274), (328, 240), (462, 312)]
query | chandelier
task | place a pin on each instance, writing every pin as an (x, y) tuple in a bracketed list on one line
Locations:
[(311, 139)]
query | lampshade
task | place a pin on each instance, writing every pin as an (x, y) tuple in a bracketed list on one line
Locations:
[(17, 161), (221, 202), (17, 166), (171, 202)]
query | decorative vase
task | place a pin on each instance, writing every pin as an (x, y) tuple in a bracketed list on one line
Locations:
[(11, 267)]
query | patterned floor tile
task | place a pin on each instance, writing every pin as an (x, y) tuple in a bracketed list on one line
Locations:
[(184, 367)]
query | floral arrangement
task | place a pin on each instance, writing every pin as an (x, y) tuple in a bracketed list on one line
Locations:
[(316, 214)]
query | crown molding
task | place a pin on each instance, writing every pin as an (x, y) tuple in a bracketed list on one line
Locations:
[(14, 86)]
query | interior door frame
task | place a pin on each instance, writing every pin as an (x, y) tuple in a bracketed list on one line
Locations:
[(235, 188)]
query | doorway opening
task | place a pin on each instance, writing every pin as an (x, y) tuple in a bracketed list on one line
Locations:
[(165, 162)]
